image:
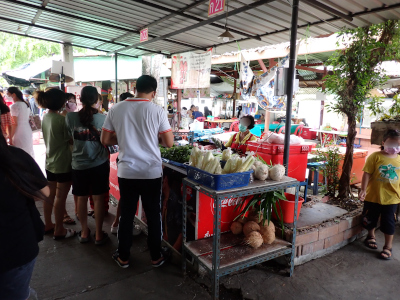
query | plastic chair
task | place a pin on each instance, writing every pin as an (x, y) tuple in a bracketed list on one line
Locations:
[(214, 125), (299, 130), (201, 119), (234, 127), (281, 129)]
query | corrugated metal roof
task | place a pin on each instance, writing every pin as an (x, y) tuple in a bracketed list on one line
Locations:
[(179, 26)]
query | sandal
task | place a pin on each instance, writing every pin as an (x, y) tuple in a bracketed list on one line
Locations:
[(83, 240), (386, 251), (370, 242), (90, 213), (68, 220), (103, 240), (70, 233)]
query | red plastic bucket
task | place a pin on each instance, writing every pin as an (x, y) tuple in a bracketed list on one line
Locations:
[(288, 208)]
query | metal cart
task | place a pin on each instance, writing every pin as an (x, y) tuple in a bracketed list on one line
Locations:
[(225, 253)]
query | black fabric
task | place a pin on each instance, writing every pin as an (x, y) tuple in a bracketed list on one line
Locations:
[(59, 177), (93, 181), (20, 223), (372, 212), (150, 192)]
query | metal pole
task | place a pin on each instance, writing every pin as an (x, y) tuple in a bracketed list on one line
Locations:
[(116, 77), (290, 81)]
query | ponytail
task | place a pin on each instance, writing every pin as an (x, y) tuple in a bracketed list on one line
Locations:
[(18, 93), (89, 96)]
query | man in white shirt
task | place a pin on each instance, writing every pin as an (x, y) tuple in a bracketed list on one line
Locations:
[(137, 126)]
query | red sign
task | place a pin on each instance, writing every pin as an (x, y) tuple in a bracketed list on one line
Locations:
[(205, 215), (114, 187), (144, 35), (216, 7)]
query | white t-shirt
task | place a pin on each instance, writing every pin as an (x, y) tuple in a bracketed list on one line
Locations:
[(137, 123)]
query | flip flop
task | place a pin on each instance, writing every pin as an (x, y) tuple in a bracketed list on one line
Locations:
[(70, 233), (370, 242), (68, 220), (103, 240), (387, 252), (83, 240)]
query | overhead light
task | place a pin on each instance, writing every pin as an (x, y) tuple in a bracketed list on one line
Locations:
[(226, 36)]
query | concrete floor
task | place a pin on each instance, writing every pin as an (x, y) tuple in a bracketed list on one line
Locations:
[(70, 270)]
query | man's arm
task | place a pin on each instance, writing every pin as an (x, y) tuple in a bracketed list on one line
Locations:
[(108, 138), (166, 139)]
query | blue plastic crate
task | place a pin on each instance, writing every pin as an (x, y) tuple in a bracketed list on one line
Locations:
[(174, 163), (219, 182)]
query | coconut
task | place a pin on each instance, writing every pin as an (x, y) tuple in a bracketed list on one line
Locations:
[(249, 227), (242, 220), (268, 233), (236, 227), (261, 172), (277, 172), (255, 217), (254, 239)]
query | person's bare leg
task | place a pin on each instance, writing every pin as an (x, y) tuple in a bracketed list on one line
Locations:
[(48, 206), (99, 213), (82, 213), (116, 220), (59, 207), (76, 205)]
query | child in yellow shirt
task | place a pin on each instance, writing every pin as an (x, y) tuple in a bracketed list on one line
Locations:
[(380, 191)]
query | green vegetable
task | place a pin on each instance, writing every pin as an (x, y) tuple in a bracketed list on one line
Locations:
[(179, 154)]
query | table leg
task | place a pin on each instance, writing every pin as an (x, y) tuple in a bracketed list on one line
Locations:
[(216, 248), (184, 229), (294, 232)]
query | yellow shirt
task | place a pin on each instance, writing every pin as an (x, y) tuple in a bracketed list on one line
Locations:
[(384, 184)]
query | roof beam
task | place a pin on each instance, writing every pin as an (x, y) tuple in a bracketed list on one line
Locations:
[(327, 9), (53, 41), (124, 28), (202, 23), (73, 34), (187, 16), (38, 13), (357, 14)]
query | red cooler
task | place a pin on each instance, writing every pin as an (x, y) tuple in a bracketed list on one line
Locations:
[(274, 153)]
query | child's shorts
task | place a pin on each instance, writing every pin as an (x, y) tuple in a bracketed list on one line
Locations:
[(371, 213), (93, 181)]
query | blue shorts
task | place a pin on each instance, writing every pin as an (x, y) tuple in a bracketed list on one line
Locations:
[(14, 284)]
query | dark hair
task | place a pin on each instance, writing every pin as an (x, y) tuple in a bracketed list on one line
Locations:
[(207, 112), (146, 84), (18, 93), (17, 172), (89, 96), (26, 92), (3, 106), (184, 108), (1, 90), (191, 106), (52, 99), (125, 95), (252, 122), (391, 133), (69, 96)]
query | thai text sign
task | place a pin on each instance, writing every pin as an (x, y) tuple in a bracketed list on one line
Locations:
[(144, 35), (216, 7), (191, 70)]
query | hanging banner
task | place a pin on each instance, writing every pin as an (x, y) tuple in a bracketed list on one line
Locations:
[(246, 79), (263, 88), (193, 93), (191, 70), (216, 7)]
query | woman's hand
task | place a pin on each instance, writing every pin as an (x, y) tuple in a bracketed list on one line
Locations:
[(361, 195)]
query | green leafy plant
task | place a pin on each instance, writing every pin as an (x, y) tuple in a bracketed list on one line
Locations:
[(356, 71), (331, 156), (179, 154), (263, 204)]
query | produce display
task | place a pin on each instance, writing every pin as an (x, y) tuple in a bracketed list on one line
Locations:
[(264, 171), (256, 233), (179, 154), (206, 161)]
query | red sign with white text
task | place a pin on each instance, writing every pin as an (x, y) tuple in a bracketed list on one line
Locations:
[(144, 35), (205, 215), (114, 187), (216, 7)]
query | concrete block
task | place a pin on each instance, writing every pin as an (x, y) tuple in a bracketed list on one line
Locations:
[(325, 232), (312, 247), (352, 232), (344, 225), (333, 240), (307, 238), (354, 221)]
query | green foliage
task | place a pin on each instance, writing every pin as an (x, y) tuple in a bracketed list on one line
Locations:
[(376, 108), (263, 204), (16, 50), (331, 156), (356, 71), (179, 154), (375, 105)]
